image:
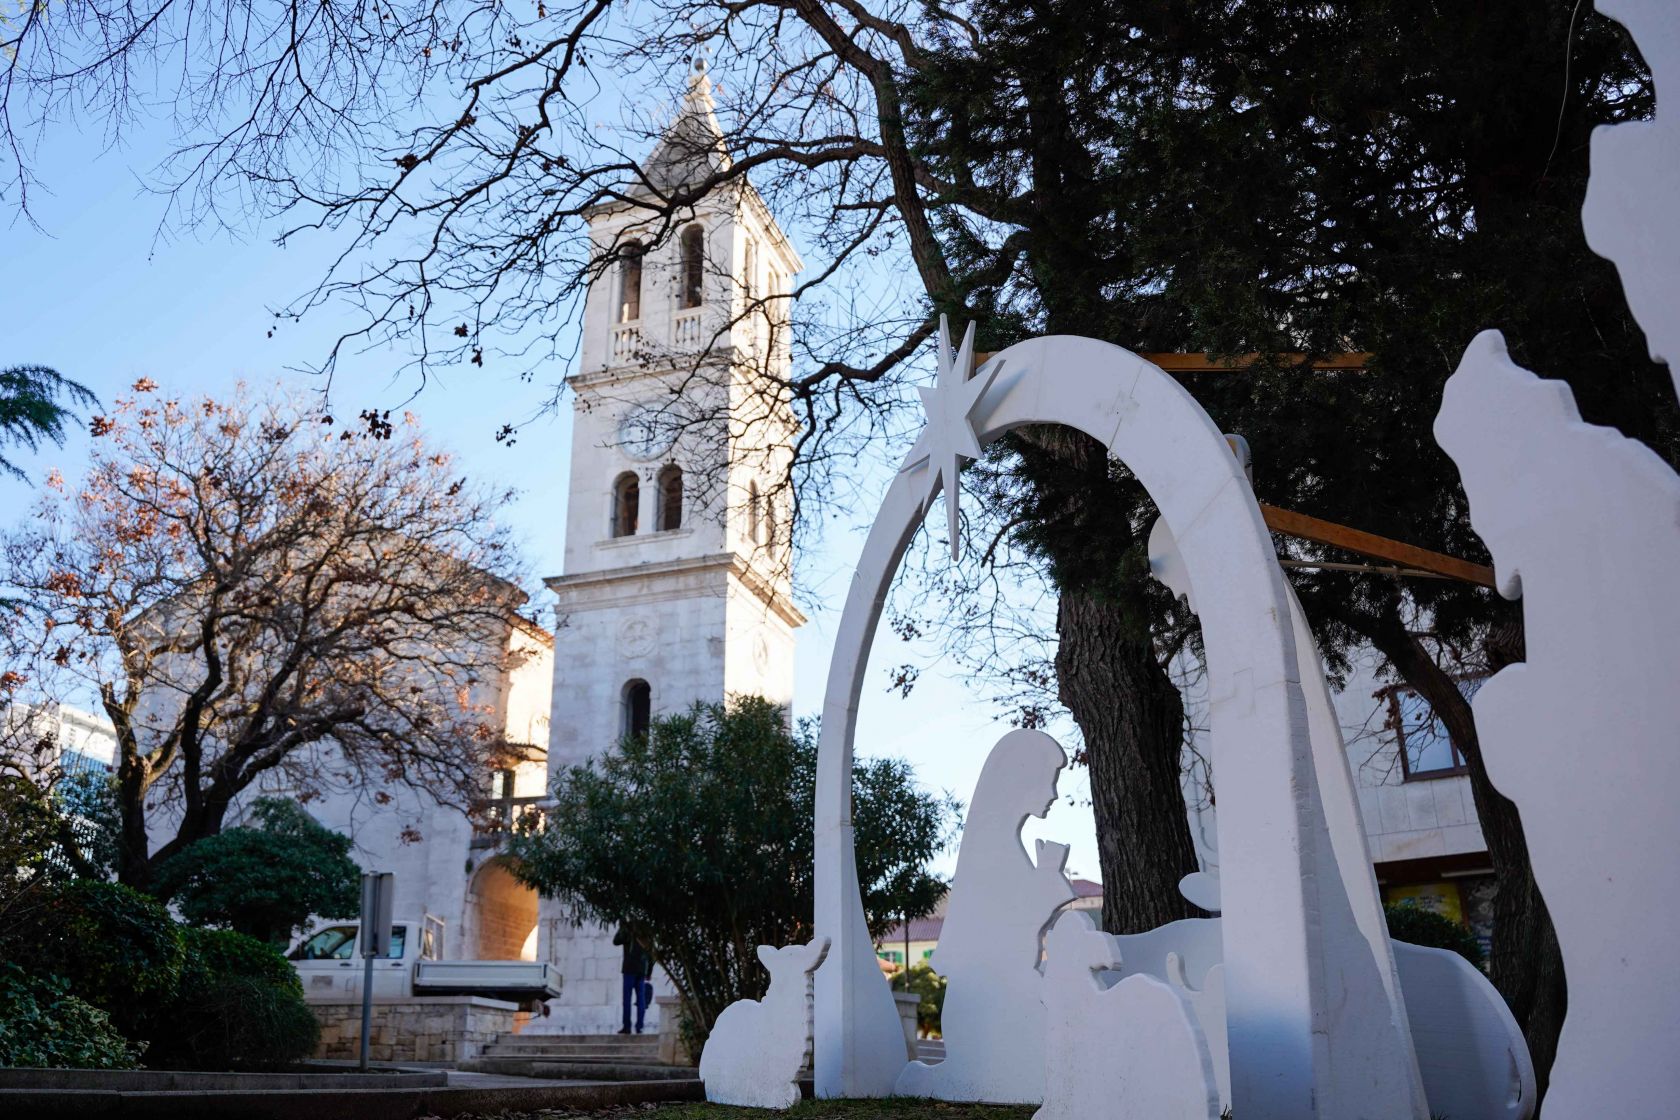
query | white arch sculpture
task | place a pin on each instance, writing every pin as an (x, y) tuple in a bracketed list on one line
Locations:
[(1313, 1029)]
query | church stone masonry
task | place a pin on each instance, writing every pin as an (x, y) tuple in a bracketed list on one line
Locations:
[(676, 572)]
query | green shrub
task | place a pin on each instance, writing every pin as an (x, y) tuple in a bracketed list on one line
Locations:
[(929, 985), (238, 1005), (264, 878), (1411, 923), (42, 1024), (112, 944)]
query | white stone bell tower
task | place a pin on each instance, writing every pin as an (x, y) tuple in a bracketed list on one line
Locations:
[(676, 583)]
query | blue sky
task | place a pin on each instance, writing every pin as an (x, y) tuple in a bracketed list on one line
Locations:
[(96, 293)]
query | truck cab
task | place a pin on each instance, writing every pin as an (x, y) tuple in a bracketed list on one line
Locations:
[(328, 960)]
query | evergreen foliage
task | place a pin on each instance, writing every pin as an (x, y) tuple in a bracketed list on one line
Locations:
[(1412, 923), (43, 1025), (265, 879), (699, 834), (110, 943), (35, 403), (239, 1005), (930, 986)]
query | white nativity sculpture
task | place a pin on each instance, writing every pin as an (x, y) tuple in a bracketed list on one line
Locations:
[(1308, 1010), (1133, 1047), (1000, 903), (758, 1047), (1314, 1023)]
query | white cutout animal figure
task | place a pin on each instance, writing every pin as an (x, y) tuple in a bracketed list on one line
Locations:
[(1584, 525), (1130, 1052), (1000, 903), (758, 1047)]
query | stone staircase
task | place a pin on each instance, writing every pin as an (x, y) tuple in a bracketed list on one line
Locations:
[(587, 1057)]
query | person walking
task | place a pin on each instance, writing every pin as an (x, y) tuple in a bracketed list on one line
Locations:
[(635, 970)]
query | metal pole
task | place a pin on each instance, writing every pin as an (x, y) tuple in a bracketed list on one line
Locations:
[(374, 936), (367, 1006)]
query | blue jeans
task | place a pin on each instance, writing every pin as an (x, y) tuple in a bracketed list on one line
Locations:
[(639, 990)]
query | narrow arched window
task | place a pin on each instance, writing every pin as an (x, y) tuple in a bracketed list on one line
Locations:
[(749, 279), (693, 265), (755, 513), (637, 714), (627, 497), (670, 497), (630, 283)]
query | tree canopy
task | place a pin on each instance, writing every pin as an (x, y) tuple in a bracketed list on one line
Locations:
[(266, 878), (698, 835), (253, 590)]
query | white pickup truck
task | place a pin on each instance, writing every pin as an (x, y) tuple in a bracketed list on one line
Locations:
[(329, 961)]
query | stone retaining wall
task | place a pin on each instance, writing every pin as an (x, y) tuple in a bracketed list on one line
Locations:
[(417, 1029)]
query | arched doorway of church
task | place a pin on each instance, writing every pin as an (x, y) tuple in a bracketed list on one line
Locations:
[(503, 922)]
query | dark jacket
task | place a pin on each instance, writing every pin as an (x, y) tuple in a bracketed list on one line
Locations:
[(636, 962)]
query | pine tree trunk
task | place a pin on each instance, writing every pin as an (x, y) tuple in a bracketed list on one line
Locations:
[(1132, 718)]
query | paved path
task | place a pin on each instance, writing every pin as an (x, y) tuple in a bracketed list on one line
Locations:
[(479, 1093)]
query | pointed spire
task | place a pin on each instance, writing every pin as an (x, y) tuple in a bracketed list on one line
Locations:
[(692, 147)]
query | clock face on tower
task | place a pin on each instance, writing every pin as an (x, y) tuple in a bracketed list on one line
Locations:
[(644, 434)]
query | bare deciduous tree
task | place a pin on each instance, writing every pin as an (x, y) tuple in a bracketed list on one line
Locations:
[(253, 591)]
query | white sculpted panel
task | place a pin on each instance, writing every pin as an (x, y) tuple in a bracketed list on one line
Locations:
[(1584, 526), (1132, 1051), (757, 1047), (1000, 903)]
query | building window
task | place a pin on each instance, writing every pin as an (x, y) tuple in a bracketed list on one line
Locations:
[(637, 716), (1426, 750), (755, 514), (693, 265), (670, 498), (749, 281), (630, 283), (627, 497)]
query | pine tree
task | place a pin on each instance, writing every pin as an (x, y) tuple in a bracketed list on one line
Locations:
[(35, 404)]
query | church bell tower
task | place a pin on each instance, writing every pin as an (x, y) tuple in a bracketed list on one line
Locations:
[(676, 583)]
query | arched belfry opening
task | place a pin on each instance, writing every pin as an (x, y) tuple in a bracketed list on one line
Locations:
[(693, 265), (670, 498), (627, 500), (630, 283)]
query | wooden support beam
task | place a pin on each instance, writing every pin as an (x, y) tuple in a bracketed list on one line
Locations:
[(1203, 363), (1307, 528)]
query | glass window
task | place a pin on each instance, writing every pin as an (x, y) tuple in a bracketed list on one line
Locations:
[(1426, 750), (399, 938), (335, 944)]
